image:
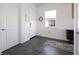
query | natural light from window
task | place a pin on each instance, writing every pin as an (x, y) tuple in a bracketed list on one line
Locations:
[(50, 17), (50, 14)]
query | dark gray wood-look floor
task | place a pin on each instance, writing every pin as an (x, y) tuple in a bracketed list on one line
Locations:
[(35, 46)]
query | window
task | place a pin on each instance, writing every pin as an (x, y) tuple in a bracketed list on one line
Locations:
[(50, 18)]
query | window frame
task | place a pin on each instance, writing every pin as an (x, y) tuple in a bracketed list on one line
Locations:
[(47, 20)]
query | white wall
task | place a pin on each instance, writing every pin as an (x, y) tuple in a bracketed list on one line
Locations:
[(63, 21)]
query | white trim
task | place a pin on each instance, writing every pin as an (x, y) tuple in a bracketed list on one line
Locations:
[(75, 30), (0, 53), (19, 22), (51, 37)]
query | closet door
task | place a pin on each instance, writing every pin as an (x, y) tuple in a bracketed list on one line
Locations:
[(12, 25), (9, 18), (25, 23), (0, 31), (3, 27), (32, 17), (0, 36)]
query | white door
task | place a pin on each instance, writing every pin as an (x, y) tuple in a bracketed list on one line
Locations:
[(32, 24), (3, 27), (27, 22), (24, 23), (32, 28), (0, 31), (9, 17), (12, 25)]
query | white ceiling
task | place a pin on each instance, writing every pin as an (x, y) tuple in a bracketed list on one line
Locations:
[(39, 4)]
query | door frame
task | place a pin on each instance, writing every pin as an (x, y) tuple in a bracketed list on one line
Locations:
[(76, 48)]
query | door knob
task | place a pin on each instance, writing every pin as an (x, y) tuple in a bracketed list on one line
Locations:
[(30, 24), (77, 32), (3, 29)]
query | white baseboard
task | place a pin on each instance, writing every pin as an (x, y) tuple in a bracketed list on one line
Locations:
[(26, 40), (53, 38)]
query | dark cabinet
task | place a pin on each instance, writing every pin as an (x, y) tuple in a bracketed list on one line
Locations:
[(70, 35)]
